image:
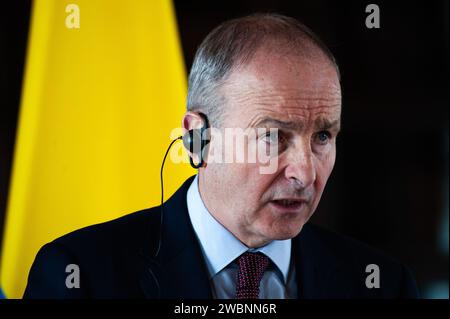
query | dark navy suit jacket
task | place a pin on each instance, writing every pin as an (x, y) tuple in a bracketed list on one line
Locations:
[(117, 259)]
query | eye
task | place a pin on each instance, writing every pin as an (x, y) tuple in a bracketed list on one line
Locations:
[(323, 137), (276, 141), (274, 137), (270, 138)]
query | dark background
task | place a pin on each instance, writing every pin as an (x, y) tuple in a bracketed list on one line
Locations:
[(389, 187)]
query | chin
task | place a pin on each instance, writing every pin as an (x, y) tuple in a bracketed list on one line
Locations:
[(283, 232)]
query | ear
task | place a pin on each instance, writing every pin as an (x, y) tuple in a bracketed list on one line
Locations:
[(190, 121)]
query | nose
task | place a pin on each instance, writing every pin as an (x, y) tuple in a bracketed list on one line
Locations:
[(300, 169)]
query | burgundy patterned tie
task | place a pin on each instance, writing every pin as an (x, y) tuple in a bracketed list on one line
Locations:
[(251, 270)]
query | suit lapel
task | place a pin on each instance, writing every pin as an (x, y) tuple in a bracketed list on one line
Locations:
[(179, 271)]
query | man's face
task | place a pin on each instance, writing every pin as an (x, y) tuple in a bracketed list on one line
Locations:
[(301, 98)]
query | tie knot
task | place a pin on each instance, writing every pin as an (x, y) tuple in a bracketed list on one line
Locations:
[(251, 270)]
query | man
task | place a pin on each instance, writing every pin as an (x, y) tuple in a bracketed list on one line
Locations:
[(232, 231)]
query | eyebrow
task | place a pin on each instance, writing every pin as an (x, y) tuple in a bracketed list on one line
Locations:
[(320, 123), (325, 124)]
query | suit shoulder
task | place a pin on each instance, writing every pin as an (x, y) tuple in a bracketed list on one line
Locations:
[(348, 247), (356, 260), (102, 253), (126, 230)]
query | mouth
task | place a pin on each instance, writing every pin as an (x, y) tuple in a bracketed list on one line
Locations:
[(288, 204)]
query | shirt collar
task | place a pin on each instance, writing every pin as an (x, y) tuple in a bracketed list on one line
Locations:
[(220, 247)]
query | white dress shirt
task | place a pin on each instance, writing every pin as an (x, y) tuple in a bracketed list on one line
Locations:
[(220, 249)]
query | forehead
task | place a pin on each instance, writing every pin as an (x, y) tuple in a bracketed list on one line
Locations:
[(284, 87)]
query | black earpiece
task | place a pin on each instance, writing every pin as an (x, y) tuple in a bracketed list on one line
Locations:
[(196, 140)]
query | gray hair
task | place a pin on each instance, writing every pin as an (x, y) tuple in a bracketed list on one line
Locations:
[(233, 43)]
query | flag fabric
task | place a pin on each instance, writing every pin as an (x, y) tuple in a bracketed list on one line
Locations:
[(104, 86)]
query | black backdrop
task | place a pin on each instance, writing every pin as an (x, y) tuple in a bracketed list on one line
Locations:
[(390, 183)]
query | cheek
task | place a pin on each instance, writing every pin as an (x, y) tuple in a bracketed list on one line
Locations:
[(324, 168), (249, 184), (239, 180)]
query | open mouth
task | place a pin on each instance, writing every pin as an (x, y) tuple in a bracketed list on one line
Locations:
[(288, 204)]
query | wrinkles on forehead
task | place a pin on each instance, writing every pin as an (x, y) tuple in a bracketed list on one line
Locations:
[(268, 96), (284, 104), (284, 86)]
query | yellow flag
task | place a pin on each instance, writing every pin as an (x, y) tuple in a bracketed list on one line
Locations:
[(103, 88)]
